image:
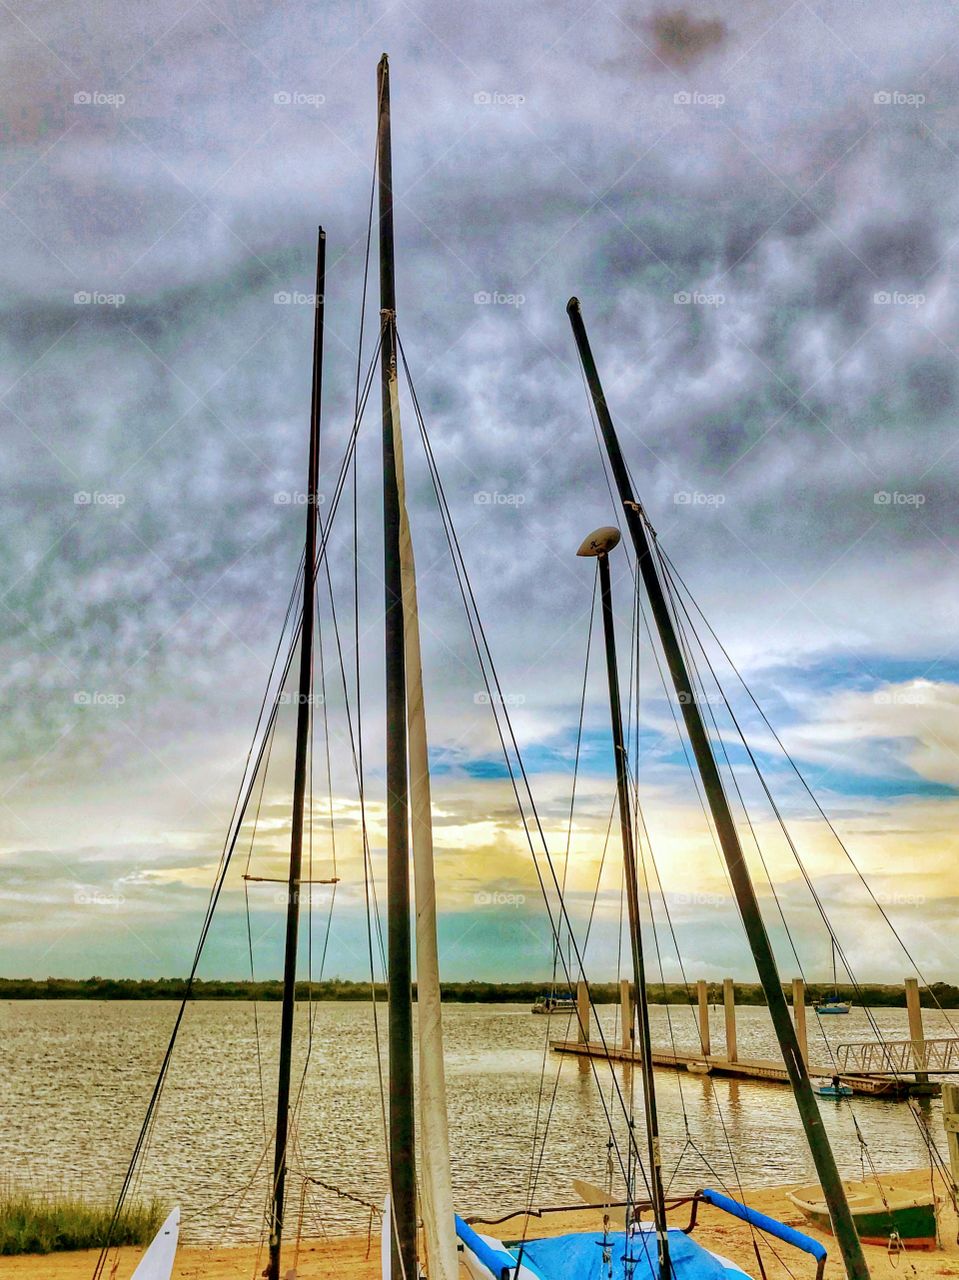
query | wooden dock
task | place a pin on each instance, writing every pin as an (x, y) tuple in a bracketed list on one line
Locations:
[(741, 1068)]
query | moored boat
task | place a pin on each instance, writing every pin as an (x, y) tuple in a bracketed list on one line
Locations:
[(831, 1004), (833, 1088), (881, 1212), (547, 1004)]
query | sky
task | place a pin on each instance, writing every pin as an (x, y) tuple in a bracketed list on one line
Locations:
[(756, 204)]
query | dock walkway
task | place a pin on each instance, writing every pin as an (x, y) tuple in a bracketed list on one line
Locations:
[(741, 1068)]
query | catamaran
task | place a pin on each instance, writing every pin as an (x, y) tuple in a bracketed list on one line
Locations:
[(420, 1189)]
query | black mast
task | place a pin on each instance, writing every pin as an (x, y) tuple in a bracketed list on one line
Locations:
[(401, 1124), (843, 1226), (299, 781), (599, 544)]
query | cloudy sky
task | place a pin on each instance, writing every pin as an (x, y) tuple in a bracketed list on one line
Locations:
[(757, 205)]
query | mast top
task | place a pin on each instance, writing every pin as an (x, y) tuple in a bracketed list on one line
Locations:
[(384, 62), (601, 541), (572, 305)]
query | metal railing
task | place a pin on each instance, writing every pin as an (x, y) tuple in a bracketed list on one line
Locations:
[(898, 1057)]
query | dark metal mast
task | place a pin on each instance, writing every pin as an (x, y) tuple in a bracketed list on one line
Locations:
[(402, 1153), (842, 1223), (599, 544), (301, 764)]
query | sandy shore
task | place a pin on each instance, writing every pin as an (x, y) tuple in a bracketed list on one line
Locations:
[(347, 1258)]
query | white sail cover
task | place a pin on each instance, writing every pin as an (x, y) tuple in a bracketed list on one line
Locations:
[(157, 1262), (436, 1191)]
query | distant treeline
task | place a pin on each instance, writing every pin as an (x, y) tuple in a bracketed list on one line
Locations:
[(889, 995)]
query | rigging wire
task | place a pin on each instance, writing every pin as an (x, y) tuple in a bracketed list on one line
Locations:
[(253, 761), (685, 591), (515, 766)]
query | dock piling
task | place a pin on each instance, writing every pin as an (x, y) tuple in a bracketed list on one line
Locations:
[(582, 1010), (702, 996), (916, 1034), (729, 1005)]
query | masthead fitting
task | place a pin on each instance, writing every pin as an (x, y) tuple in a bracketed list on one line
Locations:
[(600, 542)]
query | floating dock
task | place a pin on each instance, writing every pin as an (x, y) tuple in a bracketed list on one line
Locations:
[(742, 1068)]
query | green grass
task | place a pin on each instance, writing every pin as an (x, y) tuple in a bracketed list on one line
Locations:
[(32, 1223)]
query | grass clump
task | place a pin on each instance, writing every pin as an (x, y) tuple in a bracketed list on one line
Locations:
[(32, 1223)]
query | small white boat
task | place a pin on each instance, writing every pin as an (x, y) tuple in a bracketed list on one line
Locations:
[(157, 1262)]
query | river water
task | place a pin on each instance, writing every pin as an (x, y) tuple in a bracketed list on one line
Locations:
[(76, 1077)]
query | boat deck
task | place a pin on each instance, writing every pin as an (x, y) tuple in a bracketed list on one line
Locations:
[(742, 1068)]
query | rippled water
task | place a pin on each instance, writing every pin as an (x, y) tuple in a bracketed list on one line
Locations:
[(77, 1075)]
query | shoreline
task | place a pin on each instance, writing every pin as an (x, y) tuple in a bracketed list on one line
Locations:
[(872, 995), (354, 1258)]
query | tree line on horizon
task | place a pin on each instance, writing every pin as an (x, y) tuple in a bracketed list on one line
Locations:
[(938, 994)]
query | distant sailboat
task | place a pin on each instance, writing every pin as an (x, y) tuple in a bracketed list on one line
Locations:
[(833, 1003)]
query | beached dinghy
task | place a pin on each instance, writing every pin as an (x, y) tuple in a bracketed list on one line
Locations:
[(157, 1262), (881, 1213)]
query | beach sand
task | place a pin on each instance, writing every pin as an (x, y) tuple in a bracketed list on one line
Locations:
[(349, 1259)]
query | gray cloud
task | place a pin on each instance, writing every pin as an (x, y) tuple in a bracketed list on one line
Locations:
[(599, 166)]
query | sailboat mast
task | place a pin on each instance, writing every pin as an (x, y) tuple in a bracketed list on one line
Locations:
[(600, 546), (301, 763), (402, 1154), (842, 1222)]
